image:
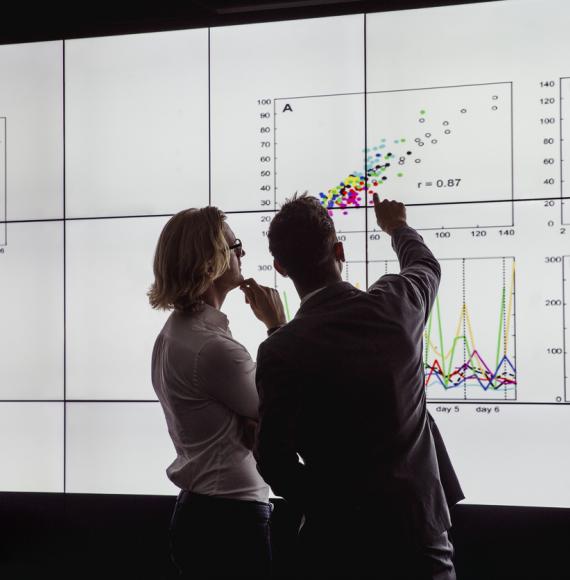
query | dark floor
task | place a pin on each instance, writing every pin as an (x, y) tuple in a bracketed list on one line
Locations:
[(115, 537)]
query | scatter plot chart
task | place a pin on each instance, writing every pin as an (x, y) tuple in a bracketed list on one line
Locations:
[(429, 147), (469, 342), (565, 148), (446, 152), (3, 181), (441, 145)]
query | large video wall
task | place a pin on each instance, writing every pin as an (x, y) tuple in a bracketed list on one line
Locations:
[(461, 112)]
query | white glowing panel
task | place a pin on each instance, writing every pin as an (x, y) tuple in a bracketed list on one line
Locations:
[(31, 447), (31, 131), (31, 312), (136, 123), (110, 325), (117, 448)]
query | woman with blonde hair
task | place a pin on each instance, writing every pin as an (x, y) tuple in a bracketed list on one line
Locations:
[(205, 382)]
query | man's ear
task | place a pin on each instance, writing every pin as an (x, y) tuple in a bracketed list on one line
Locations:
[(280, 268), (339, 252)]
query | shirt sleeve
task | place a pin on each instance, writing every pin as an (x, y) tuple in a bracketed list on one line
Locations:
[(419, 269), (276, 443), (226, 372)]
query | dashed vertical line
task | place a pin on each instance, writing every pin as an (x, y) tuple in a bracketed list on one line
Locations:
[(514, 282), (504, 322), (464, 322)]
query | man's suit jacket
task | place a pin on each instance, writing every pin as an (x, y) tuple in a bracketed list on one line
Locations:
[(343, 413)]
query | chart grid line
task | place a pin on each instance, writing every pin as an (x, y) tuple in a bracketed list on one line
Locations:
[(366, 228), (394, 90), (512, 157), (209, 120), (257, 211), (64, 284), (4, 241), (564, 329)]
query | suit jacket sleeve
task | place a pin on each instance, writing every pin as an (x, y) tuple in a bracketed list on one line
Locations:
[(276, 449), (419, 270)]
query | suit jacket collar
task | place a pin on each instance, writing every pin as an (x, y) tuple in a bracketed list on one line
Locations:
[(335, 289)]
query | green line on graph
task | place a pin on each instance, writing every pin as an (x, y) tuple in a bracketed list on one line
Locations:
[(286, 306)]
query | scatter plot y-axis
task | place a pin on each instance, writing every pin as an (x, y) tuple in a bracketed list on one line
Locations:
[(564, 149), (565, 329)]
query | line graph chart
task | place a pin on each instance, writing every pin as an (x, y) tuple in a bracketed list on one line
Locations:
[(444, 368), (470, 348)]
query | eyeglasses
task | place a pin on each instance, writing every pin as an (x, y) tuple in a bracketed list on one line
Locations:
[(237, 246)]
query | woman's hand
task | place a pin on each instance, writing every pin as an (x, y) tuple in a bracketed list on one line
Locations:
[(265, 303)]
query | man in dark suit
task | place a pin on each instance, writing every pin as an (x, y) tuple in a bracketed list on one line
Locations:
[(344, 430)]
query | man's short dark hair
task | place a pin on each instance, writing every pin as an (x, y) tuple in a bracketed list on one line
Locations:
[(301, 236)]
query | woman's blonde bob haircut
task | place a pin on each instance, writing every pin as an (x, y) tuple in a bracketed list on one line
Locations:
[(192, 251)]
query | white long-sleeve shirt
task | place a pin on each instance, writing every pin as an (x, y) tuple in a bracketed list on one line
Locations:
[(205, 382)]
